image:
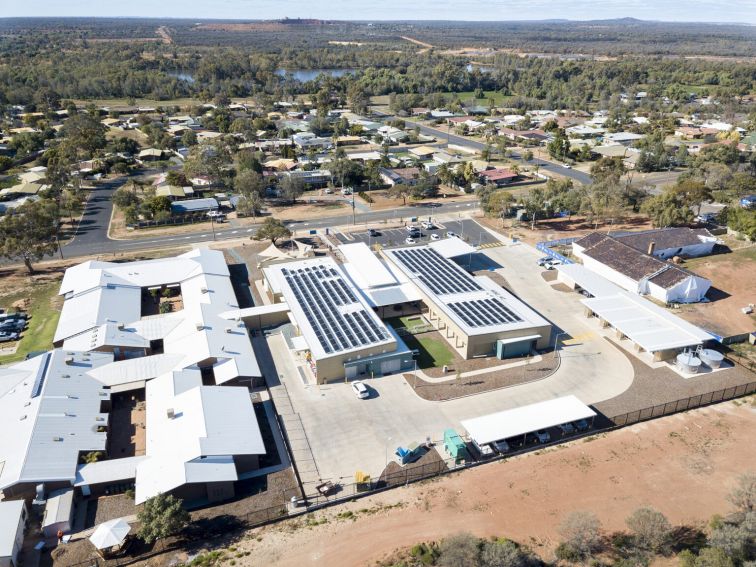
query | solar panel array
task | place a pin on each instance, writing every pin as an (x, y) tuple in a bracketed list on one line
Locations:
[(435, 271), (320, 291), (484, 312)]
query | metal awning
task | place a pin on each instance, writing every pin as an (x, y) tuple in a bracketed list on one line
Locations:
[(513, 340)]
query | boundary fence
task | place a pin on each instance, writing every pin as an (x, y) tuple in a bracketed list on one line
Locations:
[(546, 245)]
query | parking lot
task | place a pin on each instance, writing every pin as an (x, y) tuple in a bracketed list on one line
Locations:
[(466, 229)]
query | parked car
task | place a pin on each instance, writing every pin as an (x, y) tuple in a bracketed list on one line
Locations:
[(360, 390), (412, 228), (6, 337), (346, 191), (435, 236), (13, 316), (372, 232), (428, 225), (543, 436), (410, 240), (566, 166), (544, 260), (581, 425), (485, 451), (328, 191), (451, 234), (501, 446), (567, 428), (706, 218), (12, 325)]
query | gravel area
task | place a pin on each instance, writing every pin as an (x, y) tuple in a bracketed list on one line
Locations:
[(106, 508), (484, 382), (653, 387), (395, 474)]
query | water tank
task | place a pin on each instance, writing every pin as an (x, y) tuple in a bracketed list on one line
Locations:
[(711, 357), (688, 362)]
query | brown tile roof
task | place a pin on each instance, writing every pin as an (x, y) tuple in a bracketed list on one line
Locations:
[(634, 264), (665, 238)]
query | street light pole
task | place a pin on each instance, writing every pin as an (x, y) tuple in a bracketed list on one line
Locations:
[(212, 226)]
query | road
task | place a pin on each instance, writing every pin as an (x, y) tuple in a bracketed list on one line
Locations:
[(442, 134), (92, 236)]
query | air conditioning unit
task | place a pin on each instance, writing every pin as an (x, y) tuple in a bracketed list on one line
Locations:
[(200, 326), (204, 290), (171, 413), (57, 439), (229, 330), (69, 360), (121, 326)]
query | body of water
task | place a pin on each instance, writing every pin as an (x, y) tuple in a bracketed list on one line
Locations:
[(304, 75)]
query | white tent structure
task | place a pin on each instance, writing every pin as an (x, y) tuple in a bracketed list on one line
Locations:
[(110, 534)]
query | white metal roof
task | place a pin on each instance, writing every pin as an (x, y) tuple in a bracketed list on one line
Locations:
[(53, 413), (10, 519), (205, 424), (589, 280), (646, 324), (111, 470), (526, 419), (451, 247), (59, 507), (369, 271)]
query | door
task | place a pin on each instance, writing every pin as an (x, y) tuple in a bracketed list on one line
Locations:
[(391, 366), (350, 371)]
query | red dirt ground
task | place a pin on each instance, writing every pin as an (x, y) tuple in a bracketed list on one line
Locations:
[(683, 465)]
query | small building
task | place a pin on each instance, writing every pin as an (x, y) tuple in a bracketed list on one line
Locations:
[(150, 154), (190, 206), (12, 524), (404, 176), (311, 177), (498, 176), (59, 511)]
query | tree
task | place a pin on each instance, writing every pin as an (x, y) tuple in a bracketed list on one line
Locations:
[(582, 533), (249, 182), (534, 205), (505, 553), (528, 155), (291, 188), (176, 178), (124, 197), (161, 516), (84, 134), (71, 202), (693, 192), (461, 550), (250, 204), (651, 529), (667, 209), (400, 190), (707, 557), (559, 147), (272, 229), (28, 233), (500, 203), (743, 496)]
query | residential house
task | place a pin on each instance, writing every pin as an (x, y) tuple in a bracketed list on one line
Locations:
[(498, 177), (404, 176)]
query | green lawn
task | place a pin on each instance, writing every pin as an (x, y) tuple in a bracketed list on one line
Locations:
[(433, 352), (44, 313)]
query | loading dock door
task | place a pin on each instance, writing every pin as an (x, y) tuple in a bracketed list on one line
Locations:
[(350, 371), (391, 366)]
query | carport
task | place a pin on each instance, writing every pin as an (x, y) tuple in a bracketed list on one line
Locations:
[(526, 419)]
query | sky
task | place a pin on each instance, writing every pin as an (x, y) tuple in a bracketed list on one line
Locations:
[(739, 11)]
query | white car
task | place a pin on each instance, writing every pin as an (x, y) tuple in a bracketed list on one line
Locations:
[(427, 225), (327, 190), (411, 228), (410, 240), (566, 166), (360, 390), (451, 234), (435, 236)]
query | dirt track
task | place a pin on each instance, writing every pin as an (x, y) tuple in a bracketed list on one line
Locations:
[(683, 465)]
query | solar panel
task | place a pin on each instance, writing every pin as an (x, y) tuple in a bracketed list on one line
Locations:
[(484, 312), (327, 301), (439, 274)]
